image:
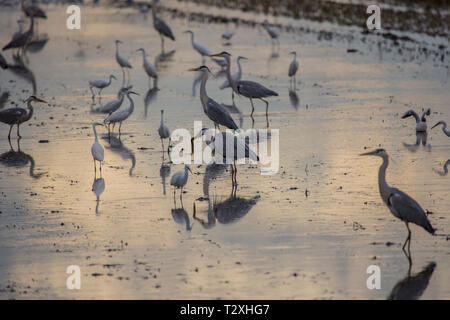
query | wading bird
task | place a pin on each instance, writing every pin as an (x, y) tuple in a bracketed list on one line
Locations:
[(273, 32), (179, 180), (97, 151), (21, 41), (123, 62), (113, 105), (164, 132), (160, 26), (148, 67), (248, 89), (217, 113), (444, 127), (421, 123), (293, 67), (121, 115), (235, 77), (399, 203), (17, 115), (197, 46), (100, 84), (227, 36)]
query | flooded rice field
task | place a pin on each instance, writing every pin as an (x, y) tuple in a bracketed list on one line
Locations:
[(310, 231)]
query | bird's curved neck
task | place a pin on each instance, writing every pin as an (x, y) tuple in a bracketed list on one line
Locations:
[(239, 66), (416, 116), (131, 107), (230, 79), (117, 49), (143, 55), (203, 94), (192, 38), (382, 184), (109, 80), (295, 56), (31, 25), (162, 118), (95, 133), (30, 110)]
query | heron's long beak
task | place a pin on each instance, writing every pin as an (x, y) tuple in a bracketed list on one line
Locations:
[(190, 170), (367, 153), (40, 100), (193, 69), (215, 55), (132, 92), (435, 125)]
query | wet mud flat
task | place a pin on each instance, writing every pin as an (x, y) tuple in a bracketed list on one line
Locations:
[(309, 231)]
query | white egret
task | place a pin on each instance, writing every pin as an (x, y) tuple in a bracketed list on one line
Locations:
[(197, 46), (421, 123), (179, 180), (97, 151), (248, 89), (217, 113), (17, 116), (123, 62), (164, 132), (148, 66), (293, 67), (113, 105), (273, 32), (121, 115), (161, 27), (100, 84), (444, 127), (399, 203)]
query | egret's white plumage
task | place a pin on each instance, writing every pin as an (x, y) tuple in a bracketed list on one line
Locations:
[(197, 46), (100, 84), (293, 67), (163, 130), (179, 179), (114, 104), (148, 66), (97, 151)]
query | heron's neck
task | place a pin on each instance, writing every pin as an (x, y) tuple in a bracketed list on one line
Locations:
[(192, 38), (131, 107), (30, 110), (239, 67), (203, 94), (95, 133), (230, 79), (416, 116), (143, 56), (162, 118), (382, 184), (117, 49), (295, 56)]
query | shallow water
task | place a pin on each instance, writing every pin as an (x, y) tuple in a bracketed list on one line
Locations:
[(308, 232)]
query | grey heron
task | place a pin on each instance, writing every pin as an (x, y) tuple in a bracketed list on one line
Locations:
[(100, 84), (21, 41), (148, 66), (121, 115), (197, 46), (228, 148), (248, 89), (421, 123), (17, 116), (164, 132), (227, 35), (399, 203), (293, 67), (98, 187), (217, 113), (234, 77), (160, 26), (179, 180), (273, 32), (444, 127), (113, 105), (123, 62), (97, 151)]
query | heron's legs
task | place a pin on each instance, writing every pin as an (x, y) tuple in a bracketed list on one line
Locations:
[(18, 134), (123, 77), (128, 76), (408, 240), (162, 42), (9, 134), (93, 94), (168, 148), (162, 145), (120, 126), (253, 108), (267, 111)]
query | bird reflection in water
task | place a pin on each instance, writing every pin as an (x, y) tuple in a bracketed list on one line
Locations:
[(98, 186), (163, 59), (150, 97), (196, 83), (294, 99), (443, 173), (181, 217), (116, 145), (164, 172), (21, 71), (412, 286), (19, 159), (421, 138)]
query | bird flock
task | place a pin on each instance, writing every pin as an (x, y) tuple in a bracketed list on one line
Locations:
[(401, 205)]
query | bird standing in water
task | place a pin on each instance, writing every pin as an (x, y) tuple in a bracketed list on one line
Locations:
[(148, 66), (100, 84), (399, 203), (123, 63), (421, 123), (164, 132), (161, 27), (293, 67), (97, 151), (18, 116), (179, 180)]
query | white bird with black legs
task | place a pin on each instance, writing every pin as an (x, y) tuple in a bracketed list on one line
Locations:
[(293, 67), (100, 84), (179, 180), (235, 77), (248, 89), (161, 27), (216, 112), (164, 132), (121, 115), (399, 203), (113, 105), (97, 151), (148, 66), (202, 50), (421, 123), (272, 31), (444, 127), (123, 62)]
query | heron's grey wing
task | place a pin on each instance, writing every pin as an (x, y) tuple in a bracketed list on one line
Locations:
[(220, 115), (253, 89), (11, 115), (162, 27), (408, 209)]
